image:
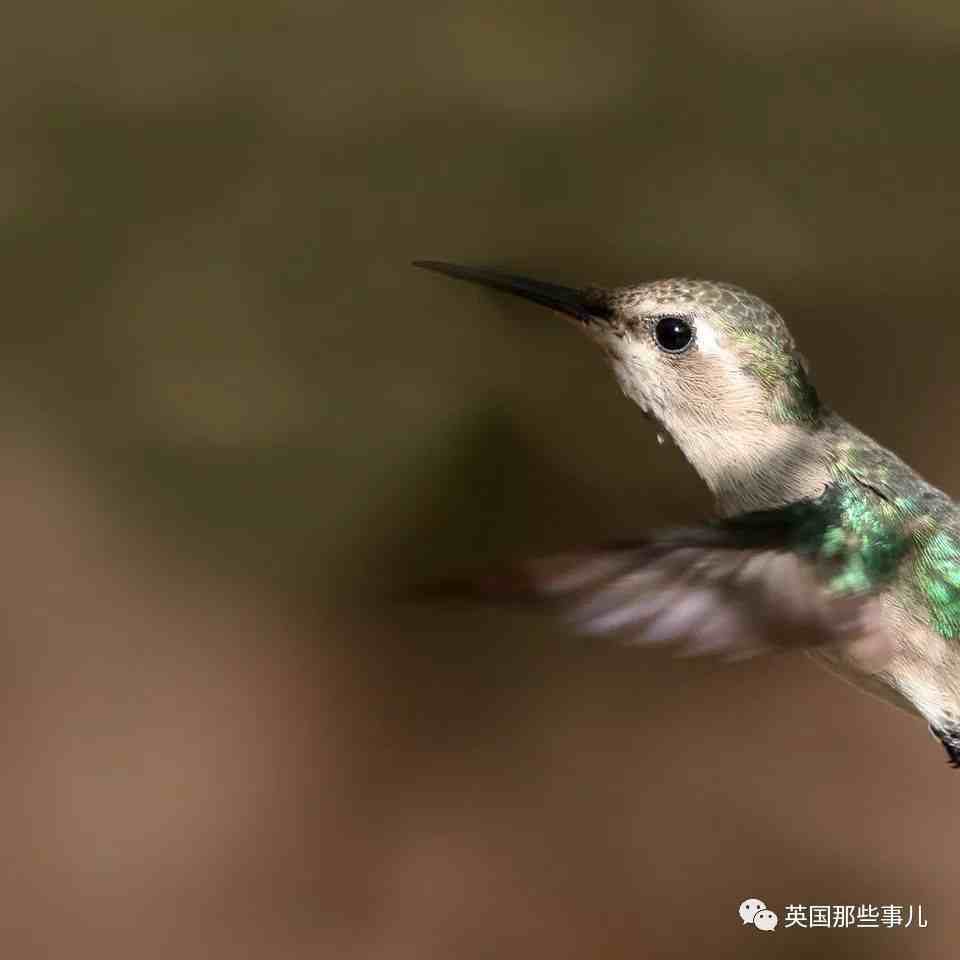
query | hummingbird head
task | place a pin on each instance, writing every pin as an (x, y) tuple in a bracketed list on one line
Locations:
[(699, 355), (713, 365)]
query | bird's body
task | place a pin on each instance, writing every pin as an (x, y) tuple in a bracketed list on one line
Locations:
[(899, 538), (826, 540)]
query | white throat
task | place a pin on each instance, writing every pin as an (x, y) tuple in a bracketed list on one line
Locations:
[(755, 466)]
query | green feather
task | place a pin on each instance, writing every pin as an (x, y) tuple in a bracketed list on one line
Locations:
[(865, 542)]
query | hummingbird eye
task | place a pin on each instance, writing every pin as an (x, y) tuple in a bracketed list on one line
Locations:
[(673, 334)]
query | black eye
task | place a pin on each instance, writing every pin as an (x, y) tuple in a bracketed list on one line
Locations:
[(673, 334)]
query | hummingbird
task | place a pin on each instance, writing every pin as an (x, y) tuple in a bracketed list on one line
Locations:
[(823, 541)]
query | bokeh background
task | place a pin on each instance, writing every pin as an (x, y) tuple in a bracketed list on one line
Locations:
[(236, 421)]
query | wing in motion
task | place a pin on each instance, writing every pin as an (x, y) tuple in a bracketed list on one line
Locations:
[(742, 586)]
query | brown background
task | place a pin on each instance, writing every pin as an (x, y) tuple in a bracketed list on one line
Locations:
[(236, 418)]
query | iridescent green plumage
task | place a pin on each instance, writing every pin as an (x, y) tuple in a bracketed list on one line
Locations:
[(876, 526)]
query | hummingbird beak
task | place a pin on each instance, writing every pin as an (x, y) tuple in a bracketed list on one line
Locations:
[(587, 306)]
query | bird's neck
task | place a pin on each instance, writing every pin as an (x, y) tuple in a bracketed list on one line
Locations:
[(756, 466)]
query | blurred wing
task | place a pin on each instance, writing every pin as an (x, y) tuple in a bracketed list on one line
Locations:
[(701, 592)]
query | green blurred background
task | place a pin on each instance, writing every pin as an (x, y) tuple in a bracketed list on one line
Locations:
[(237, 419)]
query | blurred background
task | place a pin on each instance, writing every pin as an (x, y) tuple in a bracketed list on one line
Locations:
[(236, 420)]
